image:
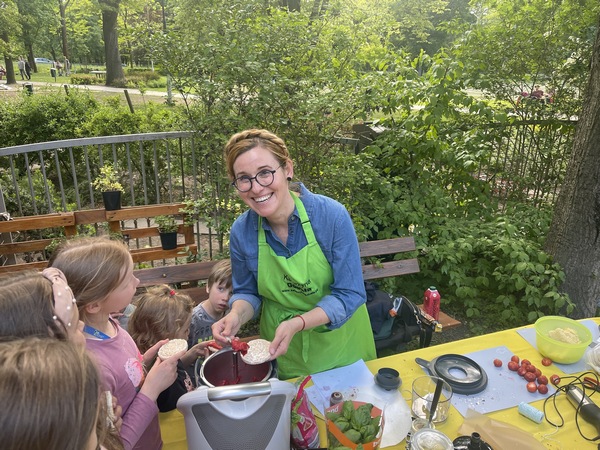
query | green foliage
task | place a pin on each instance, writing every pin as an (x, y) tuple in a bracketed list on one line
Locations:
[(85, 80), (166, 224), (108, 179)]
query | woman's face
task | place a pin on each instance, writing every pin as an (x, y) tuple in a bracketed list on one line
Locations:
[(266, 201)]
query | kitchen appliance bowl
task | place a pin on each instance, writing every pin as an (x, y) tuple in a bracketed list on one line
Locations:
[(558, 351), (219, 369)]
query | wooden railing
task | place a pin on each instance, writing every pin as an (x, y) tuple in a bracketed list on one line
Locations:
[(66, 225)]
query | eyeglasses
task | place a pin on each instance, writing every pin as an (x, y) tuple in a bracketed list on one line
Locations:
[(264, 178)]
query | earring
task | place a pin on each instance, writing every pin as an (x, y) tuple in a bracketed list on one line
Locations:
[(289, 178)]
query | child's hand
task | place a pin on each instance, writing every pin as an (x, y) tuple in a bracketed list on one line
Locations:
[(117, 413), (199, 350), (162, 375), (151, 353)]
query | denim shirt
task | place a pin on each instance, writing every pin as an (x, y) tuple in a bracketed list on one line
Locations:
[(335, 234)]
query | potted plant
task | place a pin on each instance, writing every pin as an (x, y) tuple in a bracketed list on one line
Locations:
[(108, 183), (167, 229)]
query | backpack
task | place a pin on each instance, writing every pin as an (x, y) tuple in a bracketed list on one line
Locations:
[(395, 320)]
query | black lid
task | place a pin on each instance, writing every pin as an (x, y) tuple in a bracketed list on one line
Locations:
[(388, 378)]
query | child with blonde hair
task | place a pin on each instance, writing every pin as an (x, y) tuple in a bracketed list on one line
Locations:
[(215, 307), (163, 313), (100, 273), (50, 396)]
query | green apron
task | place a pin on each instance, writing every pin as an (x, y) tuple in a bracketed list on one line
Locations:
[(291, 286)]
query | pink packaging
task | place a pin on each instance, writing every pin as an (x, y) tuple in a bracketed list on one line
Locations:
[(305, 433)]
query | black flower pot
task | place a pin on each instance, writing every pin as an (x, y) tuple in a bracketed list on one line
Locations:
[(112, 200), (168, 241)]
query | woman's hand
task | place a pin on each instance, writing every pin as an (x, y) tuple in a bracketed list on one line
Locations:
[(162, 375), (226, 328), (283, 336)]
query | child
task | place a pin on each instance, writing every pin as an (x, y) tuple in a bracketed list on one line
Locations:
[(163, 313), (214, 308), (50, 396), (100, 272), (39, 304)]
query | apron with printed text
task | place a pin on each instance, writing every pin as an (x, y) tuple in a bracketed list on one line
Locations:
[(291, 286)]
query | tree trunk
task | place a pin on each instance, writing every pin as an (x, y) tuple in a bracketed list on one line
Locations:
[(110, 32), (62, 7), (574, 236), (9, 65)]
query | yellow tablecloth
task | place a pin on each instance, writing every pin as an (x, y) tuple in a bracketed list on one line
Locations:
[(566, 438)]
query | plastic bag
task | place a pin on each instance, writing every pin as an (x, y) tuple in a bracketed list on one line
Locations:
[(305, 433), (500, 435)]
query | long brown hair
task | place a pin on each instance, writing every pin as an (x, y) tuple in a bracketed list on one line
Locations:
[(50, 395), (93, 267), (159, 314), (27, 307)]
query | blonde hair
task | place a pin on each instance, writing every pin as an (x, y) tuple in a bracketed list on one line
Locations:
[(246, 140), (160, 313), (220, 274), (93, 267), (27, 307), (50, 395)]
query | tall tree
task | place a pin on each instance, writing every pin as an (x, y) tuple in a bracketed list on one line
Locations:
[(62, 8), (574, 237), (110, 31), (9, 27)]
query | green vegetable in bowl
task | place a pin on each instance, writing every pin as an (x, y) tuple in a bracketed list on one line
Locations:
[(356, 424)]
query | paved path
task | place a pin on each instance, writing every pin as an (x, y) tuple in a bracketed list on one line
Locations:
[(91, 87)]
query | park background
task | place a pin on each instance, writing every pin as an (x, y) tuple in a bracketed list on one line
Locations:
[(454, 149)]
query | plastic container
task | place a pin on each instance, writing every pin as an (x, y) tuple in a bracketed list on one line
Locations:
[(431, 302), (558, 351)]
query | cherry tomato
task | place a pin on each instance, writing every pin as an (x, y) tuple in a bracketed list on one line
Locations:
[(497, 363), (538, 372), (529, 376), (514, 366), (522, 371), (531, 368), (531, 386), (546, 361), (542, 389), (525, 362), (514, 358), (543, 379), (555, 379)]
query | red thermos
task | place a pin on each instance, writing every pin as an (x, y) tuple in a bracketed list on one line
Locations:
[(431, 302)]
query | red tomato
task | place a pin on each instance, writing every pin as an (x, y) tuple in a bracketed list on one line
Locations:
[(543, 379), (525, 362), (531, 386), (542, 389), (531, 368), (555, 379), (514, 366), (529, 376), (538, 372), (497, 363), (514, 358), (546, 361), (522, 371)]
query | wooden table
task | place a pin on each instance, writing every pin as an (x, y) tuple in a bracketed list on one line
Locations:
[(567, 436)]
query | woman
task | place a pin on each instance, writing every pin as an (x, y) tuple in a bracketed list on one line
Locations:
[(297, 257)]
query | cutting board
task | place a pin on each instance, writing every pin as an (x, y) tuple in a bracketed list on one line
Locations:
[(505, 389)]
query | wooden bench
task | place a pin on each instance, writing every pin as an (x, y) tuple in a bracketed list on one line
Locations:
[(188, 276), (377, 270)]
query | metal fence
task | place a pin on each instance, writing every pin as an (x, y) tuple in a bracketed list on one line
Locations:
[(154, 168), (524, 162)]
